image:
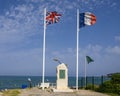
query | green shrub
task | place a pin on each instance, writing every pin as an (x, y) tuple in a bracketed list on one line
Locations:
[(92, 87), (117, 88), (89, 86), (106, 87), (115, 78), (111, 86)]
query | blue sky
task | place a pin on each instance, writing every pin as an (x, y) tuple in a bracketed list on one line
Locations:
[(21, 37)]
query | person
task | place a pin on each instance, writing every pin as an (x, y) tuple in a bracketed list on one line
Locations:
[(30, 83)]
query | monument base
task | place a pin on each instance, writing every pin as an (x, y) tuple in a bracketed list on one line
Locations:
[(62, 90)]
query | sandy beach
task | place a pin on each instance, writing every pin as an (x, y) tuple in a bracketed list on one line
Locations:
[(38, 92)]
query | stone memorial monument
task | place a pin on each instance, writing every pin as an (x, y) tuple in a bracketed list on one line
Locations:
[(62, 79)]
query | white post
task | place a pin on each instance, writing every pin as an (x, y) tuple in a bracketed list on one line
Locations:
[(77, 49), (44, 38), (85, 71)]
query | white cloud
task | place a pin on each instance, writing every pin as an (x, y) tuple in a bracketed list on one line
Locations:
[(18, 24), (32, 59), (113, 50), (104, 58), (117, 38)]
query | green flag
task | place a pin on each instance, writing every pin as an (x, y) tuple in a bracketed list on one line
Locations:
[(89, 59)]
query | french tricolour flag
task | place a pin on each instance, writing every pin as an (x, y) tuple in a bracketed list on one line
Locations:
[(87, 18)]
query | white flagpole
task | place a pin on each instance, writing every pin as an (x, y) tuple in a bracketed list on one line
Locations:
[(44, 38), (77, 49), (85, 71)]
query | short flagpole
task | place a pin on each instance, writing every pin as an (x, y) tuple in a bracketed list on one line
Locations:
[(77, 49), (44, 40), (85, 71)]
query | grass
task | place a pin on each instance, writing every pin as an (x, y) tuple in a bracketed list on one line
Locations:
[(12, 92), (112, 94), (89, 87)]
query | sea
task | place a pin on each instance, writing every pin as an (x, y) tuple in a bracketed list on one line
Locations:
[(13, 82)]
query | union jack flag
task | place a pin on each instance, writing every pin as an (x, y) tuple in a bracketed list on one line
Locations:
[(52, 17)]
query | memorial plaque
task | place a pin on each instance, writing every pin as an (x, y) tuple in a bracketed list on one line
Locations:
[(62, 74)]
